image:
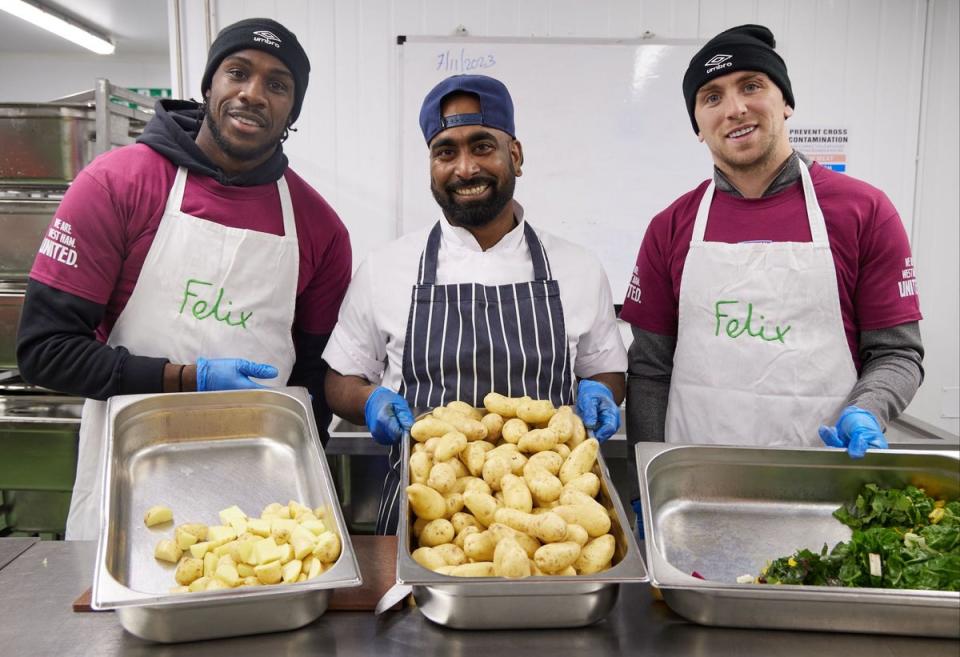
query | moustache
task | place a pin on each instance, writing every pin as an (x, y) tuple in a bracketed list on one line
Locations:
[(473, 182)]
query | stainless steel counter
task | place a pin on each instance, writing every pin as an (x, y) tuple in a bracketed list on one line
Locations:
[(39, 586)]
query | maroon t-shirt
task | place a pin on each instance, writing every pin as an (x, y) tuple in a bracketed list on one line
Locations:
[(871, 253), (98, 240)]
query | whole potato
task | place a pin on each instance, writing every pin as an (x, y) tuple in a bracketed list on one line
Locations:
[(516, 495), (463, 533), (596, 555), (472, 429), (426, 502), (505, 407), (549, 461), (535, 411), (437, 532), (482, 506), (562, 424), (526, 541), (494, 424), (442, 478), (465, 409), (544, 487), (513, 430), (510, 560), (555, 557), (494, 468), (420, 464), (451, 554), (479, 546), (581, 460), (429, 427), (595, 521), (454, 503), (587, 483), (449, 445), (476, 569), (428, 558), (460, 520), (474, 456), (538, 440)]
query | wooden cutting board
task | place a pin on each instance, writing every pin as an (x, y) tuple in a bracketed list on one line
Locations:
[(377, 557)]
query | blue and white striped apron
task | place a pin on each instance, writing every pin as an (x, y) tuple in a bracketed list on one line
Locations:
[(466, 340)]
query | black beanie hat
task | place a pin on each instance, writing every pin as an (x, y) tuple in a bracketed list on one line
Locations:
[(269, 36), (742, 48)]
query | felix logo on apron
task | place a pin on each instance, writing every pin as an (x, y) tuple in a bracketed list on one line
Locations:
[(735, 326), (202, 309)]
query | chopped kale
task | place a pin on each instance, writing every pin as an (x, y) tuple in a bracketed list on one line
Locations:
[(902, 539)]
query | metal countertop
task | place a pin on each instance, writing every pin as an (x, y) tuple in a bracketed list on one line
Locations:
[(38, 588)]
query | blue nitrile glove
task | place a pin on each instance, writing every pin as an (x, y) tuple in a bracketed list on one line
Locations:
[(388, 416), (637, 509), (231, 374), (857, 429), (596, 408)]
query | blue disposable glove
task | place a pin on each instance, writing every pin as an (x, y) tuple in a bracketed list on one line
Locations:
[(231, 374), (597, 409), (856, 430), (638, 510), (388, 416)]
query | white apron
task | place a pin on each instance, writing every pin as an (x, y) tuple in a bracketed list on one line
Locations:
[(205, 290), (762, 357)]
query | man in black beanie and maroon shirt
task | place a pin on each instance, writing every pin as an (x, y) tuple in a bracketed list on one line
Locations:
[(194, 260), (775, 304)]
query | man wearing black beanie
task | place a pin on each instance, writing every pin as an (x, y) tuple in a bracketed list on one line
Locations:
[(776, 301), (193, 260)]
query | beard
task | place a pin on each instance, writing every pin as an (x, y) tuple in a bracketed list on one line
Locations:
[(474, 214), (234, 151)]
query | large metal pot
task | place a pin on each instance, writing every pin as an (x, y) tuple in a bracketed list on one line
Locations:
[(44, 143)]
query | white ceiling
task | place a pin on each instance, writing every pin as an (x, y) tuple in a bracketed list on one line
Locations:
[(137, 26)]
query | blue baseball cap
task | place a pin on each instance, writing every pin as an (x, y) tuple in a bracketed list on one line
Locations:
[(496, 106)]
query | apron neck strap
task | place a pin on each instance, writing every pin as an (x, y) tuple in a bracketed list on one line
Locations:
[(427, 272), (175, 201), (175, 197), (818, 226)]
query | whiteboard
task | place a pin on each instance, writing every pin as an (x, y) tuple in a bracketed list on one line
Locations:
[(607, 142)]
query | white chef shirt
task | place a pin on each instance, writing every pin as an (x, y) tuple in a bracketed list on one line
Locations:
[(369, 337)]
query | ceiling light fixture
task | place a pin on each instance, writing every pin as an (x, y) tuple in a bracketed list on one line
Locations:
[(60, 25)]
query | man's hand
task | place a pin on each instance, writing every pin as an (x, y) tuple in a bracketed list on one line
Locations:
[(388, 416), (856, 430), (231, 374), (597, 408)]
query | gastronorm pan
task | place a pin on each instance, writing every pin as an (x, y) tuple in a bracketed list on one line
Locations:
[(532, 602), (199, 453), (726, 511)]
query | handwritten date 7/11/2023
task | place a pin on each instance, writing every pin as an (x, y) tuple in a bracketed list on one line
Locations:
[(462, 62)]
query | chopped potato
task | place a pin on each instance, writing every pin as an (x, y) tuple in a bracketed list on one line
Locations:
[(288, 543)]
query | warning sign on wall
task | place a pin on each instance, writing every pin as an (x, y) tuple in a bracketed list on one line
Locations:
[(828, 146)]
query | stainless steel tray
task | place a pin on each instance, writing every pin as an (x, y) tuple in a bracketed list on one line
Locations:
[(727, 511), (534, 602), (199, 453)]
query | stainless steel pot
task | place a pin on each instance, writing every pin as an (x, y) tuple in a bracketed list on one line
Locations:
[(44, 143)]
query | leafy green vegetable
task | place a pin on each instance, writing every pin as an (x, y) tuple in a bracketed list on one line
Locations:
[(902, 539)]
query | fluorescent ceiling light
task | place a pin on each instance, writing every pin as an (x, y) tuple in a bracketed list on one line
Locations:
[(61, 26)]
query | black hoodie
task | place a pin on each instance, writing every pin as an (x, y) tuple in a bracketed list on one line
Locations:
[(56, 340), (172, 133)]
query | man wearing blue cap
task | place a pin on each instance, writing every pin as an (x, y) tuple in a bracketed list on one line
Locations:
[(480, 302)]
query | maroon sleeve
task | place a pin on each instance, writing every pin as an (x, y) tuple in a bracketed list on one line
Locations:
[(82, 250), (650, 303), (886, 293)]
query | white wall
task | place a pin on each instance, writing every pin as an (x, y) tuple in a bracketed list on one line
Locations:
[(38, 78), (836, 50), (936, 228)]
